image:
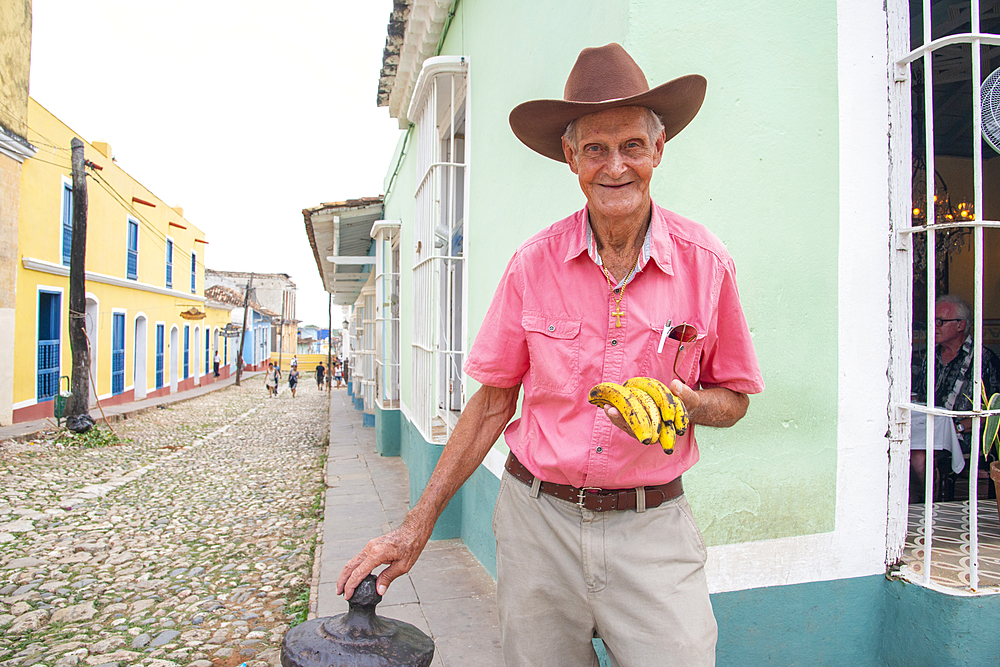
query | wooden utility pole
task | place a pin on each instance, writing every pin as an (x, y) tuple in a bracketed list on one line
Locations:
[(243, 333), (281, 327), (78, 404)]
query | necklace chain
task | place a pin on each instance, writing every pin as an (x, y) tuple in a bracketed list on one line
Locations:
[(618, 312)]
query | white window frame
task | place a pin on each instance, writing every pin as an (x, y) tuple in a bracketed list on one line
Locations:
[(440, 279), (387, 343), (902, 229)]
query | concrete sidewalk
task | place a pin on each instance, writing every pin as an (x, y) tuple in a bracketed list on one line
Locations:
[(447, 594), (28, 430)]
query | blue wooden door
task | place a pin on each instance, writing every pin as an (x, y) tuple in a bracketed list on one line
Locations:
[(49, 304), (159, 356), (117, 353), (187, 350), (208, 342)]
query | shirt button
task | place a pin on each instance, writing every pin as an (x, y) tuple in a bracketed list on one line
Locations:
[(618, 290), (552, 328), (600, 449), (614, 342)]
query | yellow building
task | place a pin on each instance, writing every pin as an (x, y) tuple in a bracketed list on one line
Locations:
[(15, 50), (145, 314)]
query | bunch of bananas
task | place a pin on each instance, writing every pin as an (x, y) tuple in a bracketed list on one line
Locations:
[(650, 409)]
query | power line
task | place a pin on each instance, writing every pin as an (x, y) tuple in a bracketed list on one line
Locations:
[(150, 229)]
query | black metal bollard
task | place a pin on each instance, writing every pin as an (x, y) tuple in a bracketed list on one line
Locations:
[(358, 638)]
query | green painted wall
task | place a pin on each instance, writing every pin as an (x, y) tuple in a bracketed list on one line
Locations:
[(759, 166)]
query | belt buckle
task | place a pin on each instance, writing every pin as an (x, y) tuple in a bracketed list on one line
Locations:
[(583, 490)]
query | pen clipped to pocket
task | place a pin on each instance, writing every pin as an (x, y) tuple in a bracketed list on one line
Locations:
[(687, 336), (684, 333)]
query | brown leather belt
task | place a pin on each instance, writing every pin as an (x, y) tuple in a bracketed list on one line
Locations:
[(594, 499)]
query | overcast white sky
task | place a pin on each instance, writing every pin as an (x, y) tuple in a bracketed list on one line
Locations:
[(243, 112)]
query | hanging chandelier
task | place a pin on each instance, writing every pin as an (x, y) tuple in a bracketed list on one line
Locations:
[(949, 242)]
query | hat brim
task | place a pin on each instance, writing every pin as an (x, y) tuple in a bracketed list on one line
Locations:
[(540, 124)]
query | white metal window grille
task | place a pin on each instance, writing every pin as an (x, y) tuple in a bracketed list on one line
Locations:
[(440, 113), (942, 28), (386, 235), (368, 346), (355, 331)]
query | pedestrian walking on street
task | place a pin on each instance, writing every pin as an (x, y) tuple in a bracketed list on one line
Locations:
[(293, 379), (216, 362), (295, 362), (273, 375), (319, 376), (338, 373), (329, 377)]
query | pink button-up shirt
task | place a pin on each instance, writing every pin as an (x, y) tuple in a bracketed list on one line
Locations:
[(550, 327)]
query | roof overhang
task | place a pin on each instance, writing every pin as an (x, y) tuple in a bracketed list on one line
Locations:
[(414, 31), (340, 236)]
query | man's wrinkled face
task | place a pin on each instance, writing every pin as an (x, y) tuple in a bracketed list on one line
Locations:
[(614, 158), (951, 326)]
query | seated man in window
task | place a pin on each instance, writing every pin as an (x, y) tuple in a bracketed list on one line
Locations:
[(953, 385)]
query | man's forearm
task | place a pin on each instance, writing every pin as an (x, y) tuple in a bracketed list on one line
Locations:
[(479, 426), (719, 407)]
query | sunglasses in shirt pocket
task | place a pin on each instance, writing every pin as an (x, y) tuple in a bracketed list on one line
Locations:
[(679, 355), (554, 352)]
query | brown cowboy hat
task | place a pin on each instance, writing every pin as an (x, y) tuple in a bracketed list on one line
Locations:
[(605, 77)]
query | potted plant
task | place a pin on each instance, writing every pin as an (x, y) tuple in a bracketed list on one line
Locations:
[(991, 437)]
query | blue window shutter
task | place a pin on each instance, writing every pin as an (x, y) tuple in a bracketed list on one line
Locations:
[(170, 263), (118, 353), (132, 265), (159, 356), (67, 223)]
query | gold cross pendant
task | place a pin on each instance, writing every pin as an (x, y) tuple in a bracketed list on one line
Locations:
[(617, 314)]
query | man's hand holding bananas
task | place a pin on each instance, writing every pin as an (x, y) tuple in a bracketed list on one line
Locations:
[(649, 410)]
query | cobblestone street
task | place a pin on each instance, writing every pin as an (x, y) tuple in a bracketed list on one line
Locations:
[(189, 544)]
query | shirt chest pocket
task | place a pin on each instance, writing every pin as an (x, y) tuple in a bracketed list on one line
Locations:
[(553, 352), (678, 358)]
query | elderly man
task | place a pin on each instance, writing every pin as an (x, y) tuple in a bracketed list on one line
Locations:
[(953, 385), (594, 535)]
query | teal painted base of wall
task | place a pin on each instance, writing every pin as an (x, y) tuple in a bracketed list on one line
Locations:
[(861, 622), (359, 403), (368, 419), (420, 457), (387, 431)]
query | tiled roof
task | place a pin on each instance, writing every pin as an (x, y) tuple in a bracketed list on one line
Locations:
[(233, 298), (224, 295)]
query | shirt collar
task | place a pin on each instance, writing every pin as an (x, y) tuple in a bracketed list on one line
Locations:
[(656, 246)]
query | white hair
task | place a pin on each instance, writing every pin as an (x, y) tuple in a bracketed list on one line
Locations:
[(962, 310), (654, 126)]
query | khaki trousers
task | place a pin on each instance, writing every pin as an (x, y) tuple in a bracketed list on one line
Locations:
[(634, 579)]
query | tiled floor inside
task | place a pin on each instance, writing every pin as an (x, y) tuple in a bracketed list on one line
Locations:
[(950, 543)]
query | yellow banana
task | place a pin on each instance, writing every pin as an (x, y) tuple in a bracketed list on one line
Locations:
[(654, 412), (671, 408), (628, 404), (668, 436)]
